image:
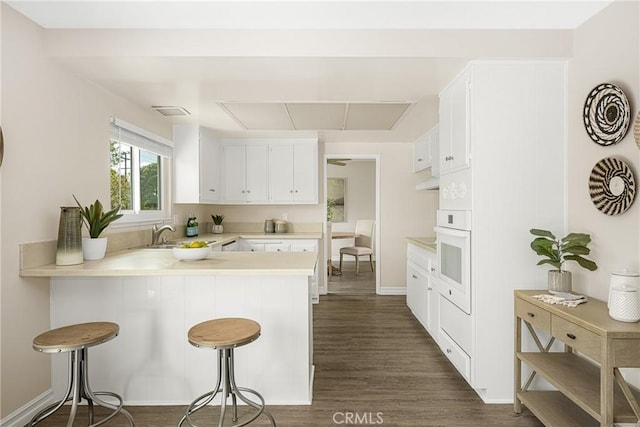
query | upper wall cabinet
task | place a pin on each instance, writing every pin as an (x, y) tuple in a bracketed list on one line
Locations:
[(293, 172), (196, 165), (208, 170), (425, 152), (455, 125), (246, 172), (270, 172)]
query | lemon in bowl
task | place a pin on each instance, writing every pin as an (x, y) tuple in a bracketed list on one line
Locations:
[(192, 251)]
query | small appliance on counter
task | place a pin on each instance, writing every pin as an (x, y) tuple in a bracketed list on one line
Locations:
[(624, 296), (269, 226), (281, 226)]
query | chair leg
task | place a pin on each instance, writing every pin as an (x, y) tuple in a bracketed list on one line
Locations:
[(341, 262), (371, 261), (357, 265)]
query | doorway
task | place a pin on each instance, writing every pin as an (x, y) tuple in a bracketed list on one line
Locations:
[(352, 192)]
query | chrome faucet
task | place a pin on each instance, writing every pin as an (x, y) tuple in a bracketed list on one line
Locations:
[(157, 231)]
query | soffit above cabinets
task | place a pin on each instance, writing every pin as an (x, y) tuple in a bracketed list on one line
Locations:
[(317, 115)]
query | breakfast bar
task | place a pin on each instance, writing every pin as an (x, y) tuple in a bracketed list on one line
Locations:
[(156, 298)]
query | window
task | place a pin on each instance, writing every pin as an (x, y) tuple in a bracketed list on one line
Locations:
[(140, 165)]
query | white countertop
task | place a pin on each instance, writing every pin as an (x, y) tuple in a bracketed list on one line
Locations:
[(428, 243), (161, 262)]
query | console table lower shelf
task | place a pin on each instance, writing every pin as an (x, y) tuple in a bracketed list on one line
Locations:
[(590, 390)]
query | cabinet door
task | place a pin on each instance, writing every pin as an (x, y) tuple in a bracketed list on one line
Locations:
[(417, 284), (234, 173), (460, 129), (277, 247), (305, 173), (257, 172), (421, 153), (454, 134), (185, 164), (281, 166), (210, 153), (304, 246), (434, 151)]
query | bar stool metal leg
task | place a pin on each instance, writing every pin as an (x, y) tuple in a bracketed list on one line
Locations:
[(79, 389), (226, 385)]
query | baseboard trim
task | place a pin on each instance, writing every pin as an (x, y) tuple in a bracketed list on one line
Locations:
[(388, 290), (23, 415)]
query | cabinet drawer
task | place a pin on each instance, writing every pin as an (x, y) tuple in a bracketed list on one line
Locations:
[(455, 354), (577, 337), (533, 314)]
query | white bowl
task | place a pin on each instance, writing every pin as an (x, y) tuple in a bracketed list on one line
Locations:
[(191, 254)]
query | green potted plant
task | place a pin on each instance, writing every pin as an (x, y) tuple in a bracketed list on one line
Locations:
[(96, 220), (557, 251), (217, 224)]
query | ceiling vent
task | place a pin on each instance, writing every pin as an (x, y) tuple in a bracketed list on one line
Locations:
[(171, 110), (316, 115)]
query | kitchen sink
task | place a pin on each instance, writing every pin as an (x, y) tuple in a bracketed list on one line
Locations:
[(168, 245)]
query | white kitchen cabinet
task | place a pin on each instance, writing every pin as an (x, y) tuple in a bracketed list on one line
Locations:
[(454, 134), (293, 172), (246, 172), (422, 153), (210, 154), (422, 287), (196, 165), (515, 128), (417, 284), (425, 152)]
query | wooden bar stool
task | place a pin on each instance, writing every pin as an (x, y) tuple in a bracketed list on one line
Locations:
[(76, 339), (225, 335)]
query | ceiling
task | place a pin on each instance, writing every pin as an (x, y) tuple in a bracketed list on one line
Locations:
[(357, 71)]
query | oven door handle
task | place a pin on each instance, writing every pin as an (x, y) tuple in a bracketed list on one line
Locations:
[(452, 232)]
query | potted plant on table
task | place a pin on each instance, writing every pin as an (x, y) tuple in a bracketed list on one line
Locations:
[(217, 224), (556, 251), (96, 220)]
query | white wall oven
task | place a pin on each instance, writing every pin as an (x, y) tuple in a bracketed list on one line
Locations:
[(453, 234)]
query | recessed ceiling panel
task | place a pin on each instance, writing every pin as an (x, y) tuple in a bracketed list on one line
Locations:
[(259, 116), (317, 116), (379, 116)]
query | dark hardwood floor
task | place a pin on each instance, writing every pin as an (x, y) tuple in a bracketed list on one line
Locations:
[(375, 365), (348, 283)]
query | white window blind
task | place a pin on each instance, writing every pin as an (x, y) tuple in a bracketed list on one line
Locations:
[(130, 134)]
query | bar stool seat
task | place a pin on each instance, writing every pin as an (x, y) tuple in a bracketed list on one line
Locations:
[(224, 335), (76, 339)]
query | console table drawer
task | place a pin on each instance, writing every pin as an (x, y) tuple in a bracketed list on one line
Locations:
[(577, 337), (533, 314)]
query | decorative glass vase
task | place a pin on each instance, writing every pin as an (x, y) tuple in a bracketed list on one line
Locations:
[(69, 250), (559, 281)]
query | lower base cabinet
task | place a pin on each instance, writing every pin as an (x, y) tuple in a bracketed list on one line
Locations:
[(422, 289)]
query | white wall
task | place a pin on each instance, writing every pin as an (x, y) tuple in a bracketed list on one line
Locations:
[(603, 55), (606, 49), (360, 197), (56, 129)]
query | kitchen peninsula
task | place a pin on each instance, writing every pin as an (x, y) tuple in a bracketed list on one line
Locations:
[(156, 299)]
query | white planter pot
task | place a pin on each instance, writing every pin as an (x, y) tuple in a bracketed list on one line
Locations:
[(217, 229), (94, 248)]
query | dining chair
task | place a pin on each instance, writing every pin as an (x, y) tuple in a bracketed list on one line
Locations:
[(363, 243)]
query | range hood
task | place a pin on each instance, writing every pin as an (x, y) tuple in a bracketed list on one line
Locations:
[(432, 183)]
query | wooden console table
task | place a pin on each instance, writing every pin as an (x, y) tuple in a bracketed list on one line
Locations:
[(588, 392)]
